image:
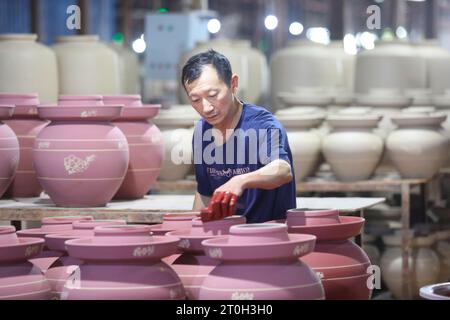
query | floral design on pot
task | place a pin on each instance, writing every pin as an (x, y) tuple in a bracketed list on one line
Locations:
[(123, 262), (19, 279), (145, 144), (80, 161), (9, 150), (252, 252), (341, 264), (193, 265)]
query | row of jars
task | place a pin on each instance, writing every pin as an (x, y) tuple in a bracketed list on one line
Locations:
[(74, 65), (353, 141), (309, 256)]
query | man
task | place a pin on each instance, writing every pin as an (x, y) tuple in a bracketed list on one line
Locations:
[(242, 158)]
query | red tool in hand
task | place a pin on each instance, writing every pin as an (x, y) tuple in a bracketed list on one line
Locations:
[(222, 204)]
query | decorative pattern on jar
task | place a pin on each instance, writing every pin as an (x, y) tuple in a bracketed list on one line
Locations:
[(26, 125), (260, 262), (342, 265), (145, 144), (192, 266), (9, 150), (80, 158), (352, 149), (19, 279), (123, 263)]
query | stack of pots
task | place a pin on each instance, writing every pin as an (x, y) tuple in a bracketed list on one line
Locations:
[(60, 270), (304, 141), (145, 145), (352, 149), (80, 158), (19, 279), (122, 263), (340, 263), (261, 262), (9, 150), (192, 266), (26, 124), (176, 124), (28, 66)]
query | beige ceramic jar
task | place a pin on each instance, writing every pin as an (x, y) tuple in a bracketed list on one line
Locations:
[(128, 69), (86, 66), (27, 66)]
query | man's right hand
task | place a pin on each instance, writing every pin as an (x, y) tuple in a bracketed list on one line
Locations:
[(222, 204)]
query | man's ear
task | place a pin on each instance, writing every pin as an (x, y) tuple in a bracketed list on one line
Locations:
[(234, 83)]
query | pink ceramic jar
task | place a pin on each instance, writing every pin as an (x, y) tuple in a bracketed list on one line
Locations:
[(9, 150), (19, 279), (260, 262), (123, 263), (61, 269), (192, 266), (80, 157), (145, 144), (80, 100), (340, 263), (26, 125)]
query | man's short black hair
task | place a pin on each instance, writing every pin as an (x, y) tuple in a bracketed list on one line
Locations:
[(194, 67)]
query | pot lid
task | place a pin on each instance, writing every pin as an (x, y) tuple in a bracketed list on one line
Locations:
[(439, 291), (129, 242), (144, 112), (174, 221), (6, 111), (353, 121), (19, 99), (261, 241), (307, 121), (419, 109), (304, 99), (441, 101), (384, 97), (191, 238), (128, 100), (80, 100), (52, 225), (79, 113), (417, 119), (13, 248)]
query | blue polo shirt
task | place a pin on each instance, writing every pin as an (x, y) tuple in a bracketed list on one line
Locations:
[(258, 139)]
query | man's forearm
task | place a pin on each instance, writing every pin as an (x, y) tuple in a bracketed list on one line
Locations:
[(271, 176)]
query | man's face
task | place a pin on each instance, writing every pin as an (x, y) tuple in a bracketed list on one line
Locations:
[(210, 96)]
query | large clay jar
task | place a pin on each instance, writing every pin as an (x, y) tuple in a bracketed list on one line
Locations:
[(192, 266), (26, 125), (123, 263), (340, 263), (304, 142), (80, 158), (439, 291), (61, 269), (9, 150), (145, 143), (260, 262), (417, 148), (128, 69), (86, 66), (176, 125), (345, 65), (28, 66), (352, 149), (19, 279), (422, 261), (392, 64)]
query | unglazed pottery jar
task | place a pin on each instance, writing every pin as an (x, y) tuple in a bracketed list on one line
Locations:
[(340, 263), (128, 69), (26, 125), (352, 149), (61, 269), (304, 142), (28, 66), (417, 148), (192, 266), (423, 261), (440, 291), (260, 262), (80, 158), (123, 263), (145, 145), (86, 66), (19, 279), (9, 149), (345, 65)]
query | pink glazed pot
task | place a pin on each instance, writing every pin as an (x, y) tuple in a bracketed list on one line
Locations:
[(9, 150), (80, 100), (26, 125), (260, 261), (80, 157), (340, 263), (192, 266), (61, 269), (123, 263), (145, 144), (19, 279), (47, 258)]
